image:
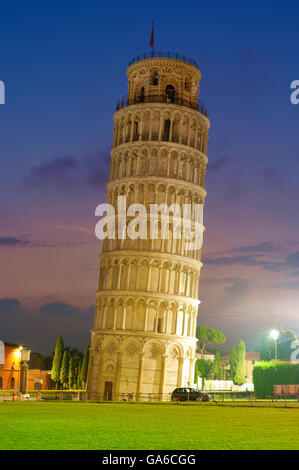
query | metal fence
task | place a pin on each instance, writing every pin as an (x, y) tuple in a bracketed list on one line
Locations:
[(123, 102), (164, 55), (235, 399)]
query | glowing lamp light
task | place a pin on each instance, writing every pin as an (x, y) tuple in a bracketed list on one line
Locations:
[(274, 334), (25, 355)]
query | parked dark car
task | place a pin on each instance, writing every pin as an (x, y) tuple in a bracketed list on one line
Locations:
[(189, 394)]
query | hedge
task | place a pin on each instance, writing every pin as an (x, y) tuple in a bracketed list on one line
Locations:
[(268, 374)]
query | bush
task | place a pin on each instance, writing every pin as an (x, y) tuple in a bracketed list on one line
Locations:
[(268, 374), (204, 368)]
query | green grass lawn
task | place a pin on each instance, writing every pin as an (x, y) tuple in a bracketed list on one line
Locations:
[(38, 425)]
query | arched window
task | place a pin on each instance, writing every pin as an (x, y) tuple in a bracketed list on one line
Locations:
[(135, 133), (170, 93), (166, 130), (187, 84), (12, 383), (38, 386), (155, 78)]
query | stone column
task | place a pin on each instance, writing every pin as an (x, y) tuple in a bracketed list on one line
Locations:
[(119, 276), (141, 128), (132, 130), (151, 126), (149, 278), (128, 278), (162, 376), (170, 130), (160, 129), (140, 374), (124, 318), (24, 377), (145, 319), (118, 375), (114, 317), (184, 322), (104, 316), (191, 371), (180, 371), (100, 392)]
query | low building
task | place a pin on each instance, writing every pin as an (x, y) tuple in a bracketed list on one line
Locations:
[(39, 379), (10, 371), (206, 356), (10, 368), (251, 359)]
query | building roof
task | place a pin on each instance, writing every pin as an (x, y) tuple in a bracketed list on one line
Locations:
[(254, 356), (250, 356), (12, 345)]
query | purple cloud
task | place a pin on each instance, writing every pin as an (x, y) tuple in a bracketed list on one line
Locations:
[(12, 241), (56, 172)]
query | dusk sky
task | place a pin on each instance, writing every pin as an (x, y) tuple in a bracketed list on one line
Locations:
[(64, 68)]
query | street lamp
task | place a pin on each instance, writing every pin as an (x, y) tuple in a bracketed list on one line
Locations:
[(25, 357), (274, 334)]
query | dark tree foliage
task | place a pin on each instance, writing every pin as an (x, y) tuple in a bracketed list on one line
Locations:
[(64, 371), (204, 368), (79, 376), (233, 362), (84, 368), (57, 361), (72, 374), (40, 361), (284, 342), (206, 335), (218, 366), (268, 374), (239, 377)]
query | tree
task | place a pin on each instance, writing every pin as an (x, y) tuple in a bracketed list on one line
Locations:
[(206, 335), (204, 369), (76, 355), (72, 374), (84, 368), (79, 376), (40, 361), (224, 370), (197, 372), (233, 362), (240, 372), (284, 342), (64, 371), (218, 366), (57, 361)]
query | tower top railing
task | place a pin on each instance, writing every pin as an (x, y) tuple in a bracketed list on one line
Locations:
[(161, 98), (164, 55)]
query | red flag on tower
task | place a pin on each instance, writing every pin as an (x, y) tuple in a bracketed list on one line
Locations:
[(151, 43)]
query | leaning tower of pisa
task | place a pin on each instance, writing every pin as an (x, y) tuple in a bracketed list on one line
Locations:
[(143, 340)]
